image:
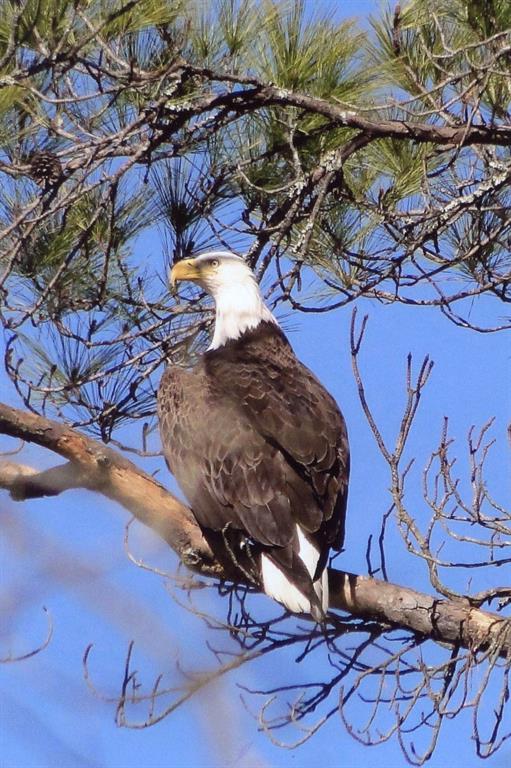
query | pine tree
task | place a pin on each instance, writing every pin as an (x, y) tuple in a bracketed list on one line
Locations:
[(343, 161)]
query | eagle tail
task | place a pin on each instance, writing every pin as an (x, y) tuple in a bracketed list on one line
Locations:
[(289, 576)]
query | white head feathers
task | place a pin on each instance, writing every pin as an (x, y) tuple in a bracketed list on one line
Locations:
[(233, 286)]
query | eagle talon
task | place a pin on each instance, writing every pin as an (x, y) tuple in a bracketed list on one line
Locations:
[(191, 557)]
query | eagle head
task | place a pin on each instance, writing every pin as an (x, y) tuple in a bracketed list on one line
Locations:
[(233, 286), (214, 271)]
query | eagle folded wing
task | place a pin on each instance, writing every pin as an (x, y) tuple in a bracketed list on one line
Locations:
[(293, 413), (229, 473)]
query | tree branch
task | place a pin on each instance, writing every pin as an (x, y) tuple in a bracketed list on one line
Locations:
[(258, 94), (101, 469), (96, 467)]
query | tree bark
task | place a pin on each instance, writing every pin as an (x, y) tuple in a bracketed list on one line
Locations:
[(255, 94), (96, 467)]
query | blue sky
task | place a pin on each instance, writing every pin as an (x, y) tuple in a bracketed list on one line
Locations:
[(67, 554)]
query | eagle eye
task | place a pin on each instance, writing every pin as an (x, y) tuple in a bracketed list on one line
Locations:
[(214, 262)]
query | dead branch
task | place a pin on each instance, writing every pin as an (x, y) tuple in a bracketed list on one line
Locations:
[(103, 470)]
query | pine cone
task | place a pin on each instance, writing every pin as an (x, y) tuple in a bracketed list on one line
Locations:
[(45, 167)]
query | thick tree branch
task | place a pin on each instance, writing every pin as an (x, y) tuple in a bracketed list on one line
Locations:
[(94, 466), (99, 468), (265, 94)]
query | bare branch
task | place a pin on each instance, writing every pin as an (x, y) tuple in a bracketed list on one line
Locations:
[(103, 470)]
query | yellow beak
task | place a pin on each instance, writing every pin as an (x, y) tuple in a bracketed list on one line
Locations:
[(186, 269)]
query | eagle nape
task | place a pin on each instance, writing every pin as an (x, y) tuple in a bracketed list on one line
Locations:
[(256, 443)]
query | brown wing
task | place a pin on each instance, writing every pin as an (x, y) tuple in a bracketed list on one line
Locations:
[(227, 471), (290, 408), (257, 443)]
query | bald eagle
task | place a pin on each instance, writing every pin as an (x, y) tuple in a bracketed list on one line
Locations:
[(257, 445)]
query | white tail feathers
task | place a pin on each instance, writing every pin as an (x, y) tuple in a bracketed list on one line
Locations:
[(280, 588)]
